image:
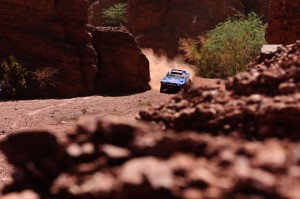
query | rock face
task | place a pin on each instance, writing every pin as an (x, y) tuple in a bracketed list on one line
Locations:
[(284, 22), (49, 33), (116, 160), (54, 36), (122, 66), (261, 103), (96, 9)]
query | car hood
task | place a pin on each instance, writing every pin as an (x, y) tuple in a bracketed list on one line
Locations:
[(172, 80)]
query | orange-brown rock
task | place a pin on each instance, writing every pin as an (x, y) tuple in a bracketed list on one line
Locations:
[(122, 66), (284, 22), (95, 11), (51, 34)]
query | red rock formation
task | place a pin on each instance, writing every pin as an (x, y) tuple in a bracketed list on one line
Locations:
[(122, 66), (284, 22), (48, 33), (160, 24), (96, 9)]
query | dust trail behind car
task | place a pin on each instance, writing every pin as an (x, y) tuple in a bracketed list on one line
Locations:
[(160, 65)]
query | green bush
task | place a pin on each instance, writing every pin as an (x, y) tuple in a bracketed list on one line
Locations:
[(228, 48), (12, 78), (115, 15)]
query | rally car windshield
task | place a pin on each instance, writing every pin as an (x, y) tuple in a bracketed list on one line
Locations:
[(175, 76)]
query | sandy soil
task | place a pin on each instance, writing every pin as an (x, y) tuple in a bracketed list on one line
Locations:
[(60, 115)]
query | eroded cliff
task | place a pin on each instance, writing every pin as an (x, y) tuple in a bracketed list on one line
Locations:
[(53, 34), (50, 33)]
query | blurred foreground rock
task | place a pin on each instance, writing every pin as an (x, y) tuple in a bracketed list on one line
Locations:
[(102, 159), (263, 102)]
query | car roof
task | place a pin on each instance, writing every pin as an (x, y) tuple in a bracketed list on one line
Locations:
[(178, 71)]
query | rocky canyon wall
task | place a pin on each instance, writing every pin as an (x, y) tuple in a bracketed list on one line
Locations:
[(284, 22), (51, 33), (159, 24)]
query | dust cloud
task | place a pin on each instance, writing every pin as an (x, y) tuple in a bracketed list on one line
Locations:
[(160, 65)]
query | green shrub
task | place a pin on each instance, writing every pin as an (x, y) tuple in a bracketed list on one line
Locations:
[(115, 15), (228, 48), (12, 78)]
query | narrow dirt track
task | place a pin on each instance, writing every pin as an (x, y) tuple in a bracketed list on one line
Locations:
[(59, 114)]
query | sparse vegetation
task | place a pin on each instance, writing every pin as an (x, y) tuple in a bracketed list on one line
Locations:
[(115, 15), (228, 48), (44, 80), (144, 103), (12, 78), (84, 111)]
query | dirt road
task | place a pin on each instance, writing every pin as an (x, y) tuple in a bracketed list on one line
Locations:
[(60, 115)]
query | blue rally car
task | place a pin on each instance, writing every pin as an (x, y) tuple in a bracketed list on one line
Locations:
[(174, 80)]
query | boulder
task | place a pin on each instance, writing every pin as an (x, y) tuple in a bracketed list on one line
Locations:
[(284, 22), (52, 34), (122, 66), (269, 50)]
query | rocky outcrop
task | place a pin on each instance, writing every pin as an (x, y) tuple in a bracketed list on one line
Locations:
[(52, 34), (117, 160), (54, 37), (122, 66), (284, 22), (95, 11), (261, 103)]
